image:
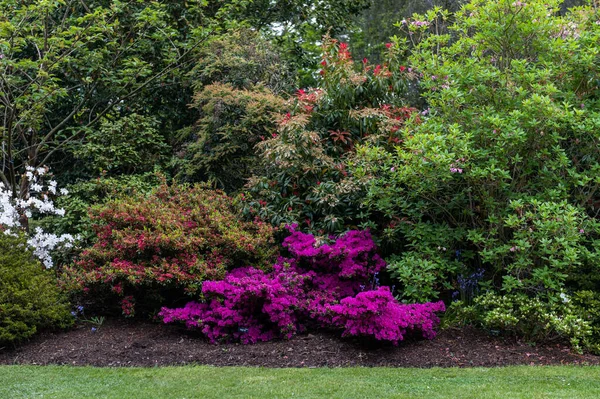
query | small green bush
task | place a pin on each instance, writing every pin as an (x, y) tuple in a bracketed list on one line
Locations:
[(29, 297), (538, 320)]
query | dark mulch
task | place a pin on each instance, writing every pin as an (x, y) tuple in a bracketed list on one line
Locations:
[(133, 343)]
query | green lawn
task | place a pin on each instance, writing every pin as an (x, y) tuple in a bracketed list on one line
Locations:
[(231, 382)]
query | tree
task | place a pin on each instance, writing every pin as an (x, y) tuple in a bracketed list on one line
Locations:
[(376, 24), (67, 65)]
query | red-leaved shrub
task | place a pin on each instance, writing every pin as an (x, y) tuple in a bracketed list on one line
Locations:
[(168, 243)]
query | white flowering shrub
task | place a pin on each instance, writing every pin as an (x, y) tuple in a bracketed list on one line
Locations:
[(37, 200)]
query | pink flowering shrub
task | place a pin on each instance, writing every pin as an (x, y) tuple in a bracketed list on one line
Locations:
[(376, 313), (317, 286), (249, 305)]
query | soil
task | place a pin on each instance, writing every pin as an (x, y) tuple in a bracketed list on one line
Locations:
[(133, 343)]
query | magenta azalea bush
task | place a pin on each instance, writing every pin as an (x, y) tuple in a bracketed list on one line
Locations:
[(249, 305), (376, 313), (332, 285)]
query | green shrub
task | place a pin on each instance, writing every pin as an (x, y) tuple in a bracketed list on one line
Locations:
[(29, 297), (127, 145), (502, 169), (221, 145), (537, 320), (586, 306)]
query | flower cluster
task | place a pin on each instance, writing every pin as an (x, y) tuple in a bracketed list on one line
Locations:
[(37, 200), (469, 285), (344, 53), (249, 305), (376, 313), (318, 285), (306, 99)]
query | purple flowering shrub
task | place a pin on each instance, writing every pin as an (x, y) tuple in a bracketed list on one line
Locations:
[(317, 286), (376, 313), (249, 305)]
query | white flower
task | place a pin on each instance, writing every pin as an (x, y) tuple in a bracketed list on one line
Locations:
[(64, 191), (11, 210), (43, 243)]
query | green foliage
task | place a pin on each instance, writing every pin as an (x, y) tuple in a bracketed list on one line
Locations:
[(242, 58), (586, 305), (502, 169), (296, 27), (233, 122), (127, 145), (67, 66), (237, 82), (29, 297), (538, 320), (74, 75), (422, 278), (378, 23), (547, 244)]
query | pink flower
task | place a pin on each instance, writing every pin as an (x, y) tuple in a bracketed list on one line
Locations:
[(322, 285)]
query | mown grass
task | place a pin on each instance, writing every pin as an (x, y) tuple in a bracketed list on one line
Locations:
[(234, 382)]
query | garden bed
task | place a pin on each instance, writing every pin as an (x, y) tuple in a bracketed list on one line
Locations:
[(132, 343)]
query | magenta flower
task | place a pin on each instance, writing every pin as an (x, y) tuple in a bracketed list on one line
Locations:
[(321, 285)]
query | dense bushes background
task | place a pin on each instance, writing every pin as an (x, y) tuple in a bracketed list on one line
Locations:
[(500, 174), (457, 159)]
